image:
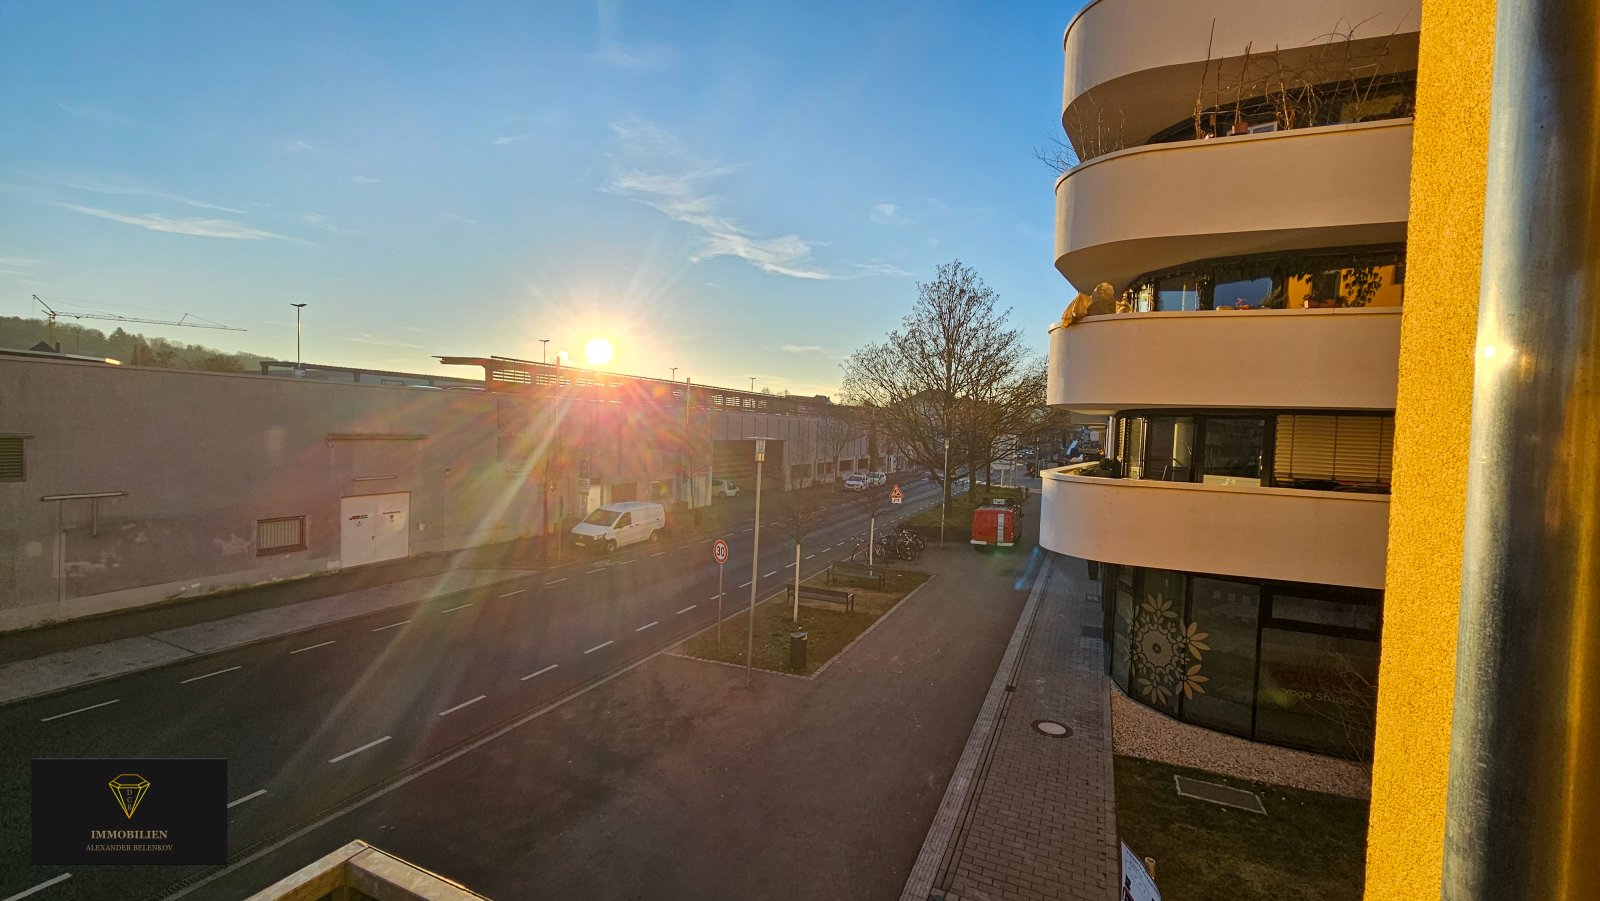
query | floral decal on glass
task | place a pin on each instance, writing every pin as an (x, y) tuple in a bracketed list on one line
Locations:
[(1165, 658)]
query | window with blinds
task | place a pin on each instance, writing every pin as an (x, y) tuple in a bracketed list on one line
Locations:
[(280, 535), (13, 463), (1349, 451)]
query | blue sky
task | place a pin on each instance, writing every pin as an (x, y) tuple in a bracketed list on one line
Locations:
[(734, 189)]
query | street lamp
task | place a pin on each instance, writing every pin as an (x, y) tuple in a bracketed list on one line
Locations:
[(755, 566), (752, 383), (944, 501), (544, 345), (674, 373), (297, 308)]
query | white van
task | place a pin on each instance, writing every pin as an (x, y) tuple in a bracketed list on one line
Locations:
[(619, 525)]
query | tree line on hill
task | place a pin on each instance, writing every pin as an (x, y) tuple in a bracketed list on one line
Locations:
[(17, 333)]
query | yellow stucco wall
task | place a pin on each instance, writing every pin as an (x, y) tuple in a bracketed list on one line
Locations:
[(1432, 423)]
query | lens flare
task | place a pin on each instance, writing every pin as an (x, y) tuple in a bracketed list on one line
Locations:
[(598, 352)]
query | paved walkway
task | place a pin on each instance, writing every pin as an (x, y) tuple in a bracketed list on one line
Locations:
[(1028, 815)]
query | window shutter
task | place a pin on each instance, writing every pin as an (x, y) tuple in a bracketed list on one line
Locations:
[(1360, 446), (278, 535), (12, 463), (1306, 447)]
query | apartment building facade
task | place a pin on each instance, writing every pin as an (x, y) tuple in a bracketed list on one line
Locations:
[(1240, 201)]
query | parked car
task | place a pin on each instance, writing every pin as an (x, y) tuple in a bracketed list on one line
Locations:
[(877, 479), (619, 525), (855, 481), (724, 488)]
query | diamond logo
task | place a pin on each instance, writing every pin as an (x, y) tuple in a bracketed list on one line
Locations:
[(129, 789)]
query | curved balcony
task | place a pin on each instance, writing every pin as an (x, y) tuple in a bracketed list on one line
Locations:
[(1324, 537), (1134, 66), (1331, 359), (1158, 206)]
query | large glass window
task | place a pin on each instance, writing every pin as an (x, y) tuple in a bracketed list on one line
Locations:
[(1233, 450), (1317, 691), (1158, 662), (1122, 626), (1221, 634), (1242, 291), (1169, 449), (1178, 293)]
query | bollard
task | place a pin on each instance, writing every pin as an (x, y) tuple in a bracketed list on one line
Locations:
[(797, 650)]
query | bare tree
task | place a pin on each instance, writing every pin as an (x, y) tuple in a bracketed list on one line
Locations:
[(837, 427), (798, 514), (872, 502), (954, 371)]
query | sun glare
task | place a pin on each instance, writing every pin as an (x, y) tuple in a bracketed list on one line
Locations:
[(598, 352)]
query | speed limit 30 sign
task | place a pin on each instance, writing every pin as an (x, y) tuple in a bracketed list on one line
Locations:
[(719, 552)]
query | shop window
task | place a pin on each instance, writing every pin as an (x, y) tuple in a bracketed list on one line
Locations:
[(1158, 663), (1224, 618), (1317, 691)]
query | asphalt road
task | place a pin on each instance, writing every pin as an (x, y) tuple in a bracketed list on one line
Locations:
[(311, 721)]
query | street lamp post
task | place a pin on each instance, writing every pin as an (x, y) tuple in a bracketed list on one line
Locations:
[(674, 373), (944, 501), (297, 308), (755, 567), (752, 383), (544, 345)]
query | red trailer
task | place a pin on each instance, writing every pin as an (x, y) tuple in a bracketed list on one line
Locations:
[(995, 524)]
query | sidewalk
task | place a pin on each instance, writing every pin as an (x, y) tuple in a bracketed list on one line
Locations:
[(29, 677), (1030, 815)]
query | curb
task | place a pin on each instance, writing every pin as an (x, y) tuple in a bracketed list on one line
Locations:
[(925, 871)]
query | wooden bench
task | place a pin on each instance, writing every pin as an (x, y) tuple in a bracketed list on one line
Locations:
[(834, 595), (861, 572)]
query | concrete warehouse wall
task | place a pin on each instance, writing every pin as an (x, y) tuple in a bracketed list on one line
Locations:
[(202, 456)]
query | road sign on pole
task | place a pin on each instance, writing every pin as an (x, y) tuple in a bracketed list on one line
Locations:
[(895, 497), (719, 553)]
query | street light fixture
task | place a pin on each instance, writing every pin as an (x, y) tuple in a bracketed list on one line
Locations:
[(755, 567), (945, 498), (297, 308), (544, 345), (674, 373), (752, 383)]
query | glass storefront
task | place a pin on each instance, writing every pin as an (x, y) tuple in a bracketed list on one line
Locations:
[(1285, 663)]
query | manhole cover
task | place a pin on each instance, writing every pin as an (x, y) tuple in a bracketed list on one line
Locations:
[(1052, 728), (1219, 794)]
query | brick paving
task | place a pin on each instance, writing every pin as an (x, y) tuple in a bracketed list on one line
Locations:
[(1039, 819)]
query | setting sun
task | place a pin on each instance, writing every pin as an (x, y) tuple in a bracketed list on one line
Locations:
[(598, 352)]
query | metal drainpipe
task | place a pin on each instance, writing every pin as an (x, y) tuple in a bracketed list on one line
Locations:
[(1523, 811)]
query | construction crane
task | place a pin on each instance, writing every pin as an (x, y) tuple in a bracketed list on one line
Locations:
[(187, 320)]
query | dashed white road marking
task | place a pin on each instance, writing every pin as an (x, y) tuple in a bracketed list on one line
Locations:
[(512, 593), (555, 581), (392, 625), (683, 547), (209, 675), (40, 887), (752, 529), (539, 672), (250, 797), (366, 747), (593, 571), (745, 585), (647, 625), (626, 562), (312, 647), (79, 710), (766, 575), (598, 647), (461, 705), (788, 566), (465, 606), (691, 607), (659, 554), (809, 556)]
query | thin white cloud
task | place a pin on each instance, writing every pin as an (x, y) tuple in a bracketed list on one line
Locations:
[(299, 146), (363, 179), (134, 189), (98, 115), (186, 225), (801, 348), (637, 58), (317, 220), (878, 267), (411, 328), (662, 174), (19, 262), (886, 214), (508, 140), (379, 342), (457, 217)]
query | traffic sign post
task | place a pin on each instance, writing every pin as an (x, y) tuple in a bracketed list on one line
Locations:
[(719, 553), (895, 497)]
